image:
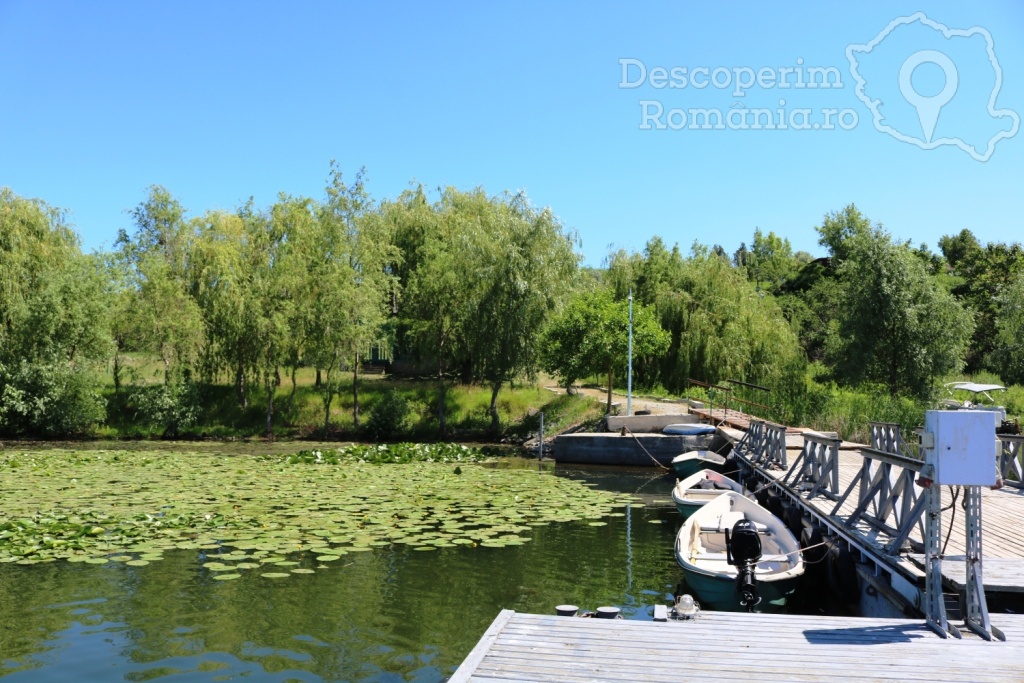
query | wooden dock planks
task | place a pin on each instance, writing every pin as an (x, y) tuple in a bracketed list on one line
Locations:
[(720, 646)]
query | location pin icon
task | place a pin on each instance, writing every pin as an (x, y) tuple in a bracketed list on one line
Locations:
[(928, 108)]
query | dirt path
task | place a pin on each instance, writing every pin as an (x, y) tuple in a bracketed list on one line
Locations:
[(655, 406)]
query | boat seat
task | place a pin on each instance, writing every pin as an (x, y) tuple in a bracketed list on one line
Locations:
[(728, 521), (724, 556)]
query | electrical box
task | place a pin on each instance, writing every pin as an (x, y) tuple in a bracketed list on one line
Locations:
[(963, 447)]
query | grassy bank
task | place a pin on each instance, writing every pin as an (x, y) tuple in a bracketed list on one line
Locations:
[(299, 409)]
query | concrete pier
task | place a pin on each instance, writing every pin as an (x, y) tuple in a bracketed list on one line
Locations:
[(635, 450)]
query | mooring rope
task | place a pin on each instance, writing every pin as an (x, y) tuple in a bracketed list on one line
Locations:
[(655, 460)]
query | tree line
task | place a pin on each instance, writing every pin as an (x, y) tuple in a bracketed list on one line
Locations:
[(469, 288)]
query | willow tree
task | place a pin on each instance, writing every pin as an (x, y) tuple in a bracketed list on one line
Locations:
[(54, 326), (219, 284), (437, 303), (524, 261), (361, 254), (591, 337)]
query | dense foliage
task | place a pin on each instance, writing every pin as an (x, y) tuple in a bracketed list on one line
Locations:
[(468, 289)]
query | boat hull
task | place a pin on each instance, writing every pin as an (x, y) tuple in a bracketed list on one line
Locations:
[(689, 496), (689, 464), (719, 593), (702, 552)]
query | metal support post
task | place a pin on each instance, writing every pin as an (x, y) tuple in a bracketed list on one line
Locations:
[(935, 604), (976, 617), (540, 444)]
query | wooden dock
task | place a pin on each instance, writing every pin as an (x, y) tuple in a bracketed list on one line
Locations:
[(720, 646)]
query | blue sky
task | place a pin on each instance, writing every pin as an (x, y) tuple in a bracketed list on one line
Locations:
[(222, 101)]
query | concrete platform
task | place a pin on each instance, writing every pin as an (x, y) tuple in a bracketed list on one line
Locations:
[(635, 450)]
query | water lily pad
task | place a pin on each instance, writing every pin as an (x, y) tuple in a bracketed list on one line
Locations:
[(226, 577), (275, 575), (301, 570), (137, 563)]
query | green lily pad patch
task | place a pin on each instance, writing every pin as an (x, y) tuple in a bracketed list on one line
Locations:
[(127, 507)]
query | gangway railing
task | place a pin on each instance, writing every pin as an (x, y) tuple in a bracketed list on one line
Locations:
[(1011, 464), (886, 437), (879, 511), (767, 445), (816, 470), (711, 395)]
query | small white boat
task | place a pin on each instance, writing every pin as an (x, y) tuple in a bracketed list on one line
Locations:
[(692, 493), (702, 552)]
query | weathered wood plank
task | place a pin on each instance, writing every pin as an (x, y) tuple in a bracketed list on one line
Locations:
[(721, 646)]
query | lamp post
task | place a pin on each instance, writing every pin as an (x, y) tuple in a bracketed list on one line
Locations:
[(629, 370)]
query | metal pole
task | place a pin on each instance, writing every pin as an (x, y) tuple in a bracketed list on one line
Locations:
[(629, 372), (540, 446)]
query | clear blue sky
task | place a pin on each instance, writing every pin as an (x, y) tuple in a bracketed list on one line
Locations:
[(222, 101)]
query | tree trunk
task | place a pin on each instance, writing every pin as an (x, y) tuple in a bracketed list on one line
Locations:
[(270, 405), (466, 371), (355, 392), (327, 412), (440, 383), (240, 386), (167, 365), (318, 382), (117, 369), (495, 425), (609, 408), (291, 399)]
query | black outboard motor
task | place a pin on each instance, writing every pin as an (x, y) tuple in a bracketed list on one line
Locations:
[(743, 551)]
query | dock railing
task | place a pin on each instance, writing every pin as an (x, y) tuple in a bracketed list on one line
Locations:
[(816, 470), (886, 436), (888, 498), (767, 445), (1011, 463), (712, 388)]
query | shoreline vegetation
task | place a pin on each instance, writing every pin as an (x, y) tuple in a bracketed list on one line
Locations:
[(441, 317)]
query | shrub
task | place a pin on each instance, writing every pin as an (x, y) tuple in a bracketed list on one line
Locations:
[(48, 399), (389, 416), (167, 407)]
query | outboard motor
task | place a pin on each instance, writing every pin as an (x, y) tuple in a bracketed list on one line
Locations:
[(743, 551)]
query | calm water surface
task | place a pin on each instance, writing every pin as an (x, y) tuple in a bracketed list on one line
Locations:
[(392, 614)]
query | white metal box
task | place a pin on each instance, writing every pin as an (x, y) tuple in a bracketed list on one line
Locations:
[(965, 450)]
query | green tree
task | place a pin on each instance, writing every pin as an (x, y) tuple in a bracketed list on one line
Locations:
[(435, 283), (524, 262), (840, 230), (985, 274), (155, 257), (591, 337), (54, 322), (896, 327), (770, 260), (275, 275), (1008, 357), (353, 273)]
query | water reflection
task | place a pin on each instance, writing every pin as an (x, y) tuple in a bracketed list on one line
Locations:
[(393, 614)]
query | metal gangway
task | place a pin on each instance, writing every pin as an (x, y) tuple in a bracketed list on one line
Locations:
[(867, 497)]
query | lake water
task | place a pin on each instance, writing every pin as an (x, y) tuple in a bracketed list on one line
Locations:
[(391, 614)]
